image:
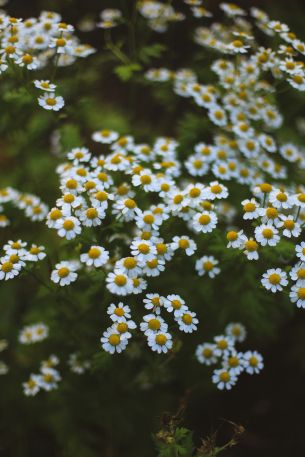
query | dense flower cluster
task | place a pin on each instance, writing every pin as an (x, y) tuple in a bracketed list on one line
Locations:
[(30, 44), (275, 213), (232, 362), (131, 211)]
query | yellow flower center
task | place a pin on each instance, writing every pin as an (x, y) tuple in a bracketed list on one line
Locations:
[(267, 233), (120, 280), (63, 272), (6, 267), (114, 339), (184, 244), (187, 319), (68, 225), (274, 278), (94, 253), (224, 376), (204, 219), (161, 339), (232, 236)]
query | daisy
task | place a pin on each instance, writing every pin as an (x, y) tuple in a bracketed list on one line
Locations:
[(205, 354), (118, 283), (224, 379), (32, 386), (153, 324), (174, 303), (48, 380), (96, 256), (204, 222), (297, 273), (8, 270), (274, 280), (92, 217), (250, 249), (160, 342), (252, 209), (154, 302), (224, 344), (154, 267), (217, 191), (64, 273), (280, 199), (69, 227), (266, 234), (253, 362), (236, 331), (297, 295), (187, 322), (44, 85), (207, 265), (119, 312), (300, 251), (234, 362), (36, 253), (289, 226), (235, 239), (50, 101), (130, 265), (112, 341), (78, 155), (143, 250), (217, 115), (184, 242)]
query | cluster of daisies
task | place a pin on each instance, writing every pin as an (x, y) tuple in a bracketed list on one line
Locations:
[(30, 204), (3, 366), (16, 255), (276, 213), (243, 103), (32, 43), (232, 362), (100, 192), (158, 14), (154, 327), (33, 333), (49, 376), (47, 379)]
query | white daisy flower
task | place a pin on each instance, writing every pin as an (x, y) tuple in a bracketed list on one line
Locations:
[(205, 354), (112, 341), (300, 251), (184, 242), (119, 283), (51, 102), (68, 227), (160, 342), (297, 273), (187, 321), (64, 273), (32, 386), (119, 312), (207, 265), (236, 239), (224, 379), (297, 294), (266, 234), (253, 362), (251, 208), (153, 323), (224, 344), (204, 222), (234, 362), (8, 269), (174, 303), (236, 331), (274, 279), (289, 226), (96, 256), (44, 85)]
